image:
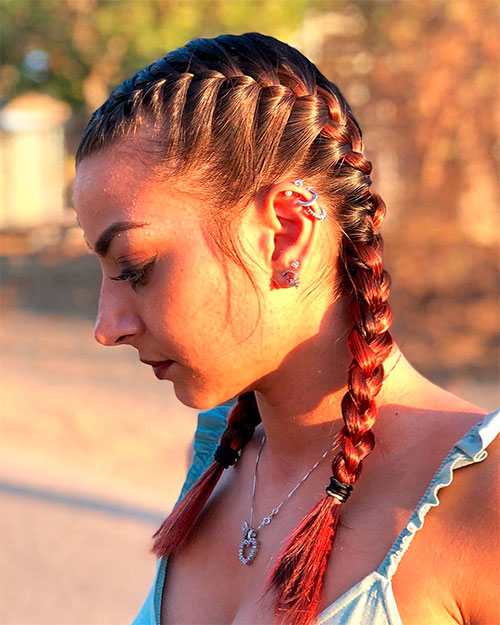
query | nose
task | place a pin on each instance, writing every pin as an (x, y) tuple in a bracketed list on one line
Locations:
[(116, 322)]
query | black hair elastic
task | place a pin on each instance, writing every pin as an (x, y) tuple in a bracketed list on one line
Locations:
[(226, 455), (339, 490)]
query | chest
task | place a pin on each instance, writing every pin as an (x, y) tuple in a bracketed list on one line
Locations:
[(206, 582)]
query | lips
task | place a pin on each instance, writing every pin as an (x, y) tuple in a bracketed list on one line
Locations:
[(160, 367)]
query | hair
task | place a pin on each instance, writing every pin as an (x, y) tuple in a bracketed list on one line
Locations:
[(238, 113)]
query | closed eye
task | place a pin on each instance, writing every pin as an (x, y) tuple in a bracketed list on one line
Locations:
[(138, 274)]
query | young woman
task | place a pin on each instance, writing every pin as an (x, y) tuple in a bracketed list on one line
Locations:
[(225, 191)]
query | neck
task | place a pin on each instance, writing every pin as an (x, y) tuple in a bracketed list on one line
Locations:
[(301, 418)]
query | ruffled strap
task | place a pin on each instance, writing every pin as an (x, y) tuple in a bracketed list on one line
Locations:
[(468, 450), (484, 433)]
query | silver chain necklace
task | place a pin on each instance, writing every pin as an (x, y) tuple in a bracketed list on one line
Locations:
[(249, 533)]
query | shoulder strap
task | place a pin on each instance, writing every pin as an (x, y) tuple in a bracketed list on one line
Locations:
[(468, 450), (211, 425)]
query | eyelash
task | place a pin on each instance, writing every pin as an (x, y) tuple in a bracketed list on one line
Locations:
[(136, 275)]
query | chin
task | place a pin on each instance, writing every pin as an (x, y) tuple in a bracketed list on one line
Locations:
[(204, 399), (197, 400)]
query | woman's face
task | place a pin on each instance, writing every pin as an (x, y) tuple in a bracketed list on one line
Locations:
[(175, 299)]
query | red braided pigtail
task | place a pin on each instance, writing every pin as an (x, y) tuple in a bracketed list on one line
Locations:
[(298, 574), (241, 112), (243, 418)]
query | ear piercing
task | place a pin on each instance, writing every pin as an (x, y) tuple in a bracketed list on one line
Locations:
[(292, 277), (322, 214)]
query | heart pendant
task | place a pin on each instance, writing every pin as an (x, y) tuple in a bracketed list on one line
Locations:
[(249, 540)]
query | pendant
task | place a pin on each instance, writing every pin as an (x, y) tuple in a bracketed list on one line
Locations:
[(248, 540)]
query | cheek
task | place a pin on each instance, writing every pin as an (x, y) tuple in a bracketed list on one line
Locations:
[(193, 326), (184, 304), (205, 314)]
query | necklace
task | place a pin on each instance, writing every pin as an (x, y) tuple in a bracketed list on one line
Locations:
[(249, 533), (249, 538)]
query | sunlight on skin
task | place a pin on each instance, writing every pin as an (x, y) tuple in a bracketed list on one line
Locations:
[(106, 192), (202, 313)]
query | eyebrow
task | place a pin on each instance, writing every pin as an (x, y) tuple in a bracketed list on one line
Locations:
[(106, 237)]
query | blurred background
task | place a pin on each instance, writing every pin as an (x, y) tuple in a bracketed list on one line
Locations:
[(94, 449)]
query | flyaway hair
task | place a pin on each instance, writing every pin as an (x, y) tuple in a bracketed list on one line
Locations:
[(238, 113)]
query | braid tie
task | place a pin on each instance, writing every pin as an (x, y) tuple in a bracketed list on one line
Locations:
[(338, 489), (226, 456), (242, 420)]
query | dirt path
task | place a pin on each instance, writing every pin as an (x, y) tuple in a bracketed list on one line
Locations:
[(86, 432)]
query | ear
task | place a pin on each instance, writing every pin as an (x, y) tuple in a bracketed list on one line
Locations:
[(281, 229)]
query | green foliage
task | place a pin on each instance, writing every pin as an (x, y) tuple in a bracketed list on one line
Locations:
[(94, 44), (422, 79)]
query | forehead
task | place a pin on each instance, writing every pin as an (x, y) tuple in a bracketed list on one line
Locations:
[(113, 186), (110, 179)]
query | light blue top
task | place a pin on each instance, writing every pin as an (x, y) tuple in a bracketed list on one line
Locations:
[(371, 600)]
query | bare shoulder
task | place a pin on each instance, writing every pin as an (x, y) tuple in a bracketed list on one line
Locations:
[(454, 560), (474, 515)]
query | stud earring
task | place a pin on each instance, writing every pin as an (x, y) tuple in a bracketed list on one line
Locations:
[(292, 277)]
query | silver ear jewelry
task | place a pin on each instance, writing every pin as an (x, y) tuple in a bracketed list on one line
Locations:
[(292, 281), (307, 205)]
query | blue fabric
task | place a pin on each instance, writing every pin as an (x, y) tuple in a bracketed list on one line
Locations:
[(371, 600)]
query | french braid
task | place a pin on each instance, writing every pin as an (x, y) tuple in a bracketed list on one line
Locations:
[(240, 112), (298, 574)]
